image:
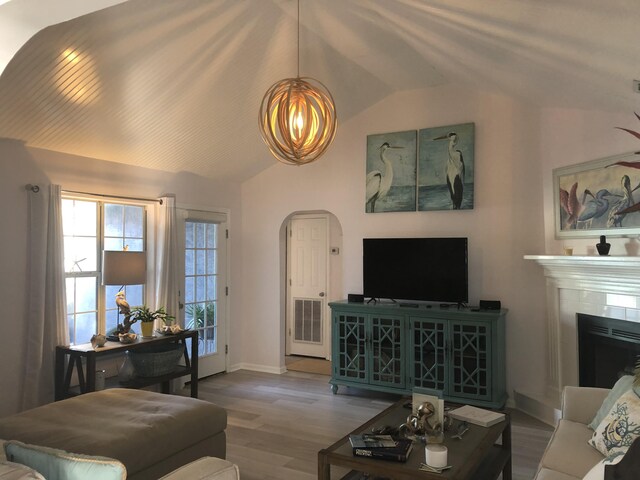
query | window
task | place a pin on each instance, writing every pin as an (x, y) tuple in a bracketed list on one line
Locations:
[(89, 227)]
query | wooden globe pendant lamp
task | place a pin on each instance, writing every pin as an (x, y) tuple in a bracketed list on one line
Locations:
[(297, 117)]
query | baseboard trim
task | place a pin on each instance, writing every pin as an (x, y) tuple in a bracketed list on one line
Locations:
[(254, 367), (544, 408)]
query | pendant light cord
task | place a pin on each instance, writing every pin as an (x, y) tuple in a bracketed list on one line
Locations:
[(298, 38)]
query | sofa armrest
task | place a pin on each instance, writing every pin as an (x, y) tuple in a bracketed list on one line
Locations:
[(580, 404), (205, 468)]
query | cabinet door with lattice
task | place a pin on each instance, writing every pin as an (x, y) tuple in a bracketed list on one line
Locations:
[(350, 347), (428, 353), (387, 351), (471, 367)]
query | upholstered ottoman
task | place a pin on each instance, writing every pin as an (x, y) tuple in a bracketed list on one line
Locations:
[(150, 433)]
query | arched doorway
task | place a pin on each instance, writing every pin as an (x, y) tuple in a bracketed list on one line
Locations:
[(312, 277)]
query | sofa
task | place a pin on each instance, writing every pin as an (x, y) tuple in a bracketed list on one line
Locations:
[(151, 434), (568, 455), (205, 468), (598, 432)]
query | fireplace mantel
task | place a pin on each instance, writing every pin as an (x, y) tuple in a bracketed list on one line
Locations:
[(603, 274), (607, 286)]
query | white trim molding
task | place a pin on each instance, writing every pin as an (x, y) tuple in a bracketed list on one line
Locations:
[(607, 274), (596, 285)]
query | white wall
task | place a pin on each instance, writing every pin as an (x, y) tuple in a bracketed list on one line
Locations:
[(505, 224), (20, 166)]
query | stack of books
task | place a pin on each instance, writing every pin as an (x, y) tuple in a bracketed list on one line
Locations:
[(384, 447), (477, 416)]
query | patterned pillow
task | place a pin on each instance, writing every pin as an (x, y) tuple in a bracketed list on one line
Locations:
[(620, 427), (623, 384)]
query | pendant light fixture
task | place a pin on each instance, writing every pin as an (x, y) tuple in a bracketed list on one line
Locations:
[(297, 117)]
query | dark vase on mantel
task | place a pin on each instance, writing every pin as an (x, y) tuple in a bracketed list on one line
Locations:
[(603, 247)]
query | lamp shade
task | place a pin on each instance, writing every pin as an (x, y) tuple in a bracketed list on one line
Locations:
[(124, 268)]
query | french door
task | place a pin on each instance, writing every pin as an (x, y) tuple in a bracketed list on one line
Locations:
[(203, 236)]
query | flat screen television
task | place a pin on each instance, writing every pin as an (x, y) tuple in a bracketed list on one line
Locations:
[(426, 269)]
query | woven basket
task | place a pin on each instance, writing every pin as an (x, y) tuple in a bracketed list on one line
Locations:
[(157, 360)]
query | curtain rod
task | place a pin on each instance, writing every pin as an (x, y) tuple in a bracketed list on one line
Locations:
[(159, 200)]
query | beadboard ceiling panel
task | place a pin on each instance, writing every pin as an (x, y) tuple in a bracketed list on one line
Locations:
[(176, 85)]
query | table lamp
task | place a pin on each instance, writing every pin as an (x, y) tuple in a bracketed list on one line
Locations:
[(123, 268)]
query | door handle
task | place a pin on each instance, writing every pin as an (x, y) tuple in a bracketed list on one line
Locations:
[(321, 294)]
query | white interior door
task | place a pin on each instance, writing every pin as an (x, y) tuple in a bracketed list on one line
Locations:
[(204, 293), (307, 293)]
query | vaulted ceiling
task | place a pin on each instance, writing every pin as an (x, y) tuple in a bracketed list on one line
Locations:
[(176, 85)]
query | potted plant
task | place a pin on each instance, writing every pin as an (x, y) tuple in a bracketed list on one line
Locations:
[(147, 318)]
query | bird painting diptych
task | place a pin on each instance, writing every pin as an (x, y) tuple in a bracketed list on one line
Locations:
[(407, 172)]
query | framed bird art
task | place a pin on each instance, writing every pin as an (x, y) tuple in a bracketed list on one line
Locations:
[(446, 159), (600, 197), (391, 172)]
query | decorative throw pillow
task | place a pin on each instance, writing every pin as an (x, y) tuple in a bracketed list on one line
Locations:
[(622, 385), (620, 426), (56, 464)]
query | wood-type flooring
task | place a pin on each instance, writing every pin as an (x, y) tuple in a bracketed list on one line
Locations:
[(278, 423)]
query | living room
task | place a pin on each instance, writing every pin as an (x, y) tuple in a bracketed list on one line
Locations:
[(537, 104)]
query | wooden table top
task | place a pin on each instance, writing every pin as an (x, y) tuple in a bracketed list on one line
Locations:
[(466, 456)]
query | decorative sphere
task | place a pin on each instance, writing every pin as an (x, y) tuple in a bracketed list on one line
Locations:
[(297, 120), (426, 409)]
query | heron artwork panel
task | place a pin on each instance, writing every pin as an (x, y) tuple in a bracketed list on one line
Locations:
[(391, 172), (600, 197), (446, 163)]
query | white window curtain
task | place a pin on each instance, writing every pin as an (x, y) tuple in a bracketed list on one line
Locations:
[(167, 290), (47, 322)]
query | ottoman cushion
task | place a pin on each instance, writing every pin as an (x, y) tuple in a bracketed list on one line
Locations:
[(137, 427)]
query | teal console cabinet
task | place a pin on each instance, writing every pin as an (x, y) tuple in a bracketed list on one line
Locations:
[(394, 348)]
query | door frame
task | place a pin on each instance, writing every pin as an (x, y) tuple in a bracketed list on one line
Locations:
[(326, 331), (227, 309)]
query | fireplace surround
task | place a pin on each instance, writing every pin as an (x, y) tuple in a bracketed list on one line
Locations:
[(600, 286)]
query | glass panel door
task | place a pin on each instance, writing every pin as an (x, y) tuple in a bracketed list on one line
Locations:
[(205, 291)]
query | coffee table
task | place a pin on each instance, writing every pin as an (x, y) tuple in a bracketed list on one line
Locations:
[(482, 453)]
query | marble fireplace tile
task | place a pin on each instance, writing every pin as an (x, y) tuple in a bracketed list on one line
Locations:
[(617, 300), (633, 315)]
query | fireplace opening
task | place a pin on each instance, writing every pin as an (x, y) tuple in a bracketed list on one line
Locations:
[(608, 348)]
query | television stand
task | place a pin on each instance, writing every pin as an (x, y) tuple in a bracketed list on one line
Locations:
[(392, 349)]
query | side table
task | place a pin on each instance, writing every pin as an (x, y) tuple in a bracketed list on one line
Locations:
[(70, 358)]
